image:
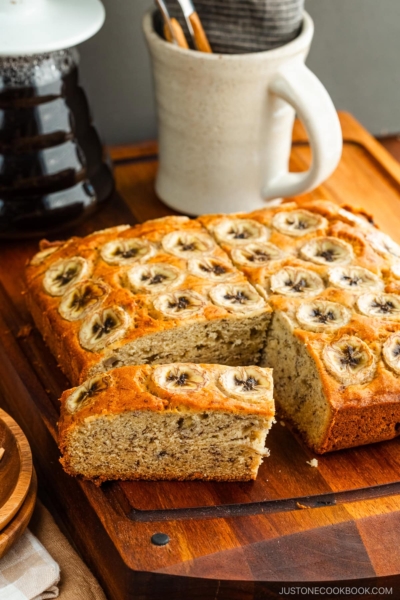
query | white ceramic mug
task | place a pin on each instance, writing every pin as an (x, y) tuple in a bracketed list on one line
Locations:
[(225, 124)]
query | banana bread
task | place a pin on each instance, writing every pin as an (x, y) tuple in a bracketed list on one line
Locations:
[(330, 278), (160, 292), (333, 282), (180, 421)]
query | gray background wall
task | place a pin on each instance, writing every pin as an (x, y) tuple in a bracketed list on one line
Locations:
[(355, 53)]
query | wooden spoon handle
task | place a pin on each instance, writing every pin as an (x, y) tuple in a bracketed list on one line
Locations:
[(178, 31), (200, 37)]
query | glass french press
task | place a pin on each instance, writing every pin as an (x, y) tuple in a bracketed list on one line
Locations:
[(52, 169)]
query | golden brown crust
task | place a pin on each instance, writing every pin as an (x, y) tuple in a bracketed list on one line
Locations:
[(138, 388), (142, 315), (132, 388)]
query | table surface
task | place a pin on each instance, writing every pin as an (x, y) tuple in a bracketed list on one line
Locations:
[(240, 556)]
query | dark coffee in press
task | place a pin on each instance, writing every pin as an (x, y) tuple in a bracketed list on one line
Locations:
[(52, 168)]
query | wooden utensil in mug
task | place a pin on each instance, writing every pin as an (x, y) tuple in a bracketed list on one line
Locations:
[(169, 28), (195, 27), (178, 31)]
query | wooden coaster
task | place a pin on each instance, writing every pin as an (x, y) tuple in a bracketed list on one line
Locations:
[(15, 468), (17, 526)]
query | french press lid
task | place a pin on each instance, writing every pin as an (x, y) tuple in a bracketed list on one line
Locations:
[(37, 26)]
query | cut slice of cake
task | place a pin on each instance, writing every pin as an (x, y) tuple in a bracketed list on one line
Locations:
[(178, 421), (160, 292)]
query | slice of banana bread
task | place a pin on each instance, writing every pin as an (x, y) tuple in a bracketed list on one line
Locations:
[(179, 421), (159, 292)]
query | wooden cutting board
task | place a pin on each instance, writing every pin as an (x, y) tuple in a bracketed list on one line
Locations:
[(15, 468), (227, 540)]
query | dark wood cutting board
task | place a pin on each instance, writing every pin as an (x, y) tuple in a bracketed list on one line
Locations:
[(219, 531)]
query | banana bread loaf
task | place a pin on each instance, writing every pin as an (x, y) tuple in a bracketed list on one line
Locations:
[(330, 278), (180, 421), (160, 292)]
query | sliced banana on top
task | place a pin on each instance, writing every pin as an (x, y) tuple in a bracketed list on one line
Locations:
[(85, 393), (296, 282), (383, 244), (355, 279), (396, 270), (154, 278), (211, 268), (354, 219), (180, 304), (327, 251), (240, 231), (41, 256), (383, 306), (179, 378), (103, 328), (125, 251), (256, 254), (391, 352), (349, 360), (249, 384), (81, 299), (61, 276), (298, 222), (188, 244), (238, 298), (321, 315)]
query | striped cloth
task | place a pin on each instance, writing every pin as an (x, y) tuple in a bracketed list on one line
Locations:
[(241, 26), (28, 572)]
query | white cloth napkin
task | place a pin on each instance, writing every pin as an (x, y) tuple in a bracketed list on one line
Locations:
[(27, 571)]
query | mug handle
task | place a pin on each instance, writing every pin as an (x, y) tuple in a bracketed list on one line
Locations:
[(298, 86)]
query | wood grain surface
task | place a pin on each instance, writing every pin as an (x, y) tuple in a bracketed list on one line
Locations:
[(339, 522), (15, 468), (15, 528)]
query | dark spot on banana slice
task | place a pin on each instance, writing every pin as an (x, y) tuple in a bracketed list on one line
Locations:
[(100, 329), (66, 277), (299, 287), (216, 268), (323, 317), (350, 356), (352, 281), (96, 387), (180, 304), (239, 235), (299, 225), (238, 298), (130, 253), (260, 256), (328, 255), (384, 307), (155, 280), (83, 297), (179, 380), (187, 247), (396, 350), (248, 384)]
